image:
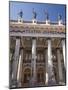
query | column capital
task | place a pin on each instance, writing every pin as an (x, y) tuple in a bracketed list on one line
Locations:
[(48, 38), (45, 48), (17, 37), (62, 38), (57, 48), (21, 48), (33, 38)]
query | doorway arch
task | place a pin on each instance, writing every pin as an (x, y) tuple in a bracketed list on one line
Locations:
[(41, 76), (26, 77)]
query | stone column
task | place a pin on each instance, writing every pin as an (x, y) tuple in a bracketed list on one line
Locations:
[(15, 63), (33, 63), (10, 68), (46, 68), (59, 66), (19, 73), (51, 77), (63, 47)]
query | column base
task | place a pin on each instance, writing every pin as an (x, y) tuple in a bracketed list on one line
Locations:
[(19, 84), (61, 83), (46, 83), (33, 83), (51, 82), (13, 84)]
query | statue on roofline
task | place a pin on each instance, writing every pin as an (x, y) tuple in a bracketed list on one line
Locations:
[(46, 14), (59, 17), (20, 14), (34, 14)]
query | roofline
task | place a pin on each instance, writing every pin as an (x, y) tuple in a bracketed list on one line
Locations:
[(39, 22)]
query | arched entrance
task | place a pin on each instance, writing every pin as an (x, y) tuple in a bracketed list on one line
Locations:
[(40, 77), (27, 76)]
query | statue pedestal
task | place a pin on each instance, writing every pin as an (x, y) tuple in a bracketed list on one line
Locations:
[(34, 21), (47, 22), (60, 22), (20, 20), (33, 83)]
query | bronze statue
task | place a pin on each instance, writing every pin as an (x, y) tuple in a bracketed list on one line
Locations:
[(46, 14), (34, 14), (59, 17), (20, 14)]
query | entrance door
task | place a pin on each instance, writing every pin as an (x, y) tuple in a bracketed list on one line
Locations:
[(27, 76), (40, 77)]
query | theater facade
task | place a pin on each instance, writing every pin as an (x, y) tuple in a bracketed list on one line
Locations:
[(37, 53)]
